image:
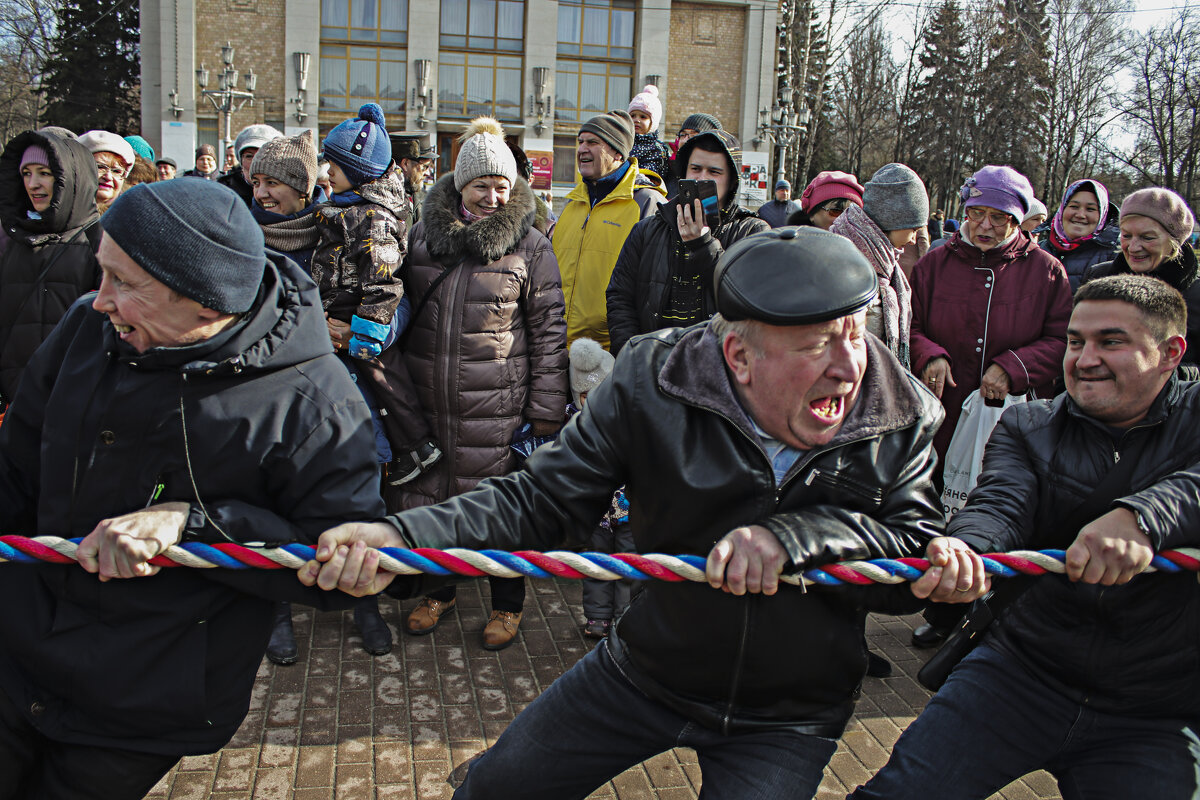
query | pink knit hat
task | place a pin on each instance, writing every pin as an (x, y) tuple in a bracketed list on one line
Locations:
[(647, 101), (34, 154), (1164, 207), (829, 185)]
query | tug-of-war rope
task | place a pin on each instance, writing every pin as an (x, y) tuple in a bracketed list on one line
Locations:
[(563, 564)]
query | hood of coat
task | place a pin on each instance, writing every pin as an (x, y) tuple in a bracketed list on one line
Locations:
[(732, 156), (388, 191), (285, 326), (75, 184), (448, 237)]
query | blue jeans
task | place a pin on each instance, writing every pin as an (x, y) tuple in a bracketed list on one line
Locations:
[(995, 721), (592, 724)]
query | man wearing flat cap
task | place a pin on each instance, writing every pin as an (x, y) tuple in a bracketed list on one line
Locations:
[(610, 197), (196, 397), (413, 162), (776, 437)]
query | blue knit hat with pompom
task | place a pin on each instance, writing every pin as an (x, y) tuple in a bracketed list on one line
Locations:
[(360, 146)]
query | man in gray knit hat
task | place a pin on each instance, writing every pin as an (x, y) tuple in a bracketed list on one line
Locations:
[(611, 197)]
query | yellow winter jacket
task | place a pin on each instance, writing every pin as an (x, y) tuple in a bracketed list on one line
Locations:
[(587, 241)]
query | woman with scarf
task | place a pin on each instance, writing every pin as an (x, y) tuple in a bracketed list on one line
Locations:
[(1084, 230), (1155, 226), (895, 206)]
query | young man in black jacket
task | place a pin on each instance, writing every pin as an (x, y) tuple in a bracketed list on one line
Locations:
[(195, 396), (778, 436), (1091, 675)]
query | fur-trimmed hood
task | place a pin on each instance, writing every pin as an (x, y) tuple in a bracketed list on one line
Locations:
[(449, 238)]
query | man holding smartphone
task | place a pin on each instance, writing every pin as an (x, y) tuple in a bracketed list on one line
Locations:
[(664, 274)]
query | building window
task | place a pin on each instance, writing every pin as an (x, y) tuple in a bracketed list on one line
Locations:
[(365, 20), (564, 159), (483, 25), (584, 89), (351, 76), (471, 84), (596, 28)]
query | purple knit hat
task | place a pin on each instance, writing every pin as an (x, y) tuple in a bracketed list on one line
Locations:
[(1001, 188)]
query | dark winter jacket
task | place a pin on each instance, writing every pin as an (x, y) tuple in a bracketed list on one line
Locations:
[(639, 291), (776, 213), (1102, 247), (215, 175), (360, 251), (236, 181), (667, 424), (488, 350), (1008, 306), (62, 245), (259, 428), (1128, 649), (1180, 272)]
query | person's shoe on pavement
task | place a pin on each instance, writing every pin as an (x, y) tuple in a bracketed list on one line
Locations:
[(501, 630), (427, 615), (376, 636), (281, 649)]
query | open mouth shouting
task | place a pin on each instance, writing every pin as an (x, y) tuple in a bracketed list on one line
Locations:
[(828, 410)]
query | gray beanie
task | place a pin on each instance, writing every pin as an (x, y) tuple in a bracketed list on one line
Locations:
[(291, 160), (197, 237), (614, 128), (895, 198), (254, 136), (590, 364), (484, 152)]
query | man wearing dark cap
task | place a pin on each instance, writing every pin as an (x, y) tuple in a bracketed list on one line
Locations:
[(777, 437), (611, 197), (777, 210), (206, 164), (166, 168), (414, 162), (194, 397)]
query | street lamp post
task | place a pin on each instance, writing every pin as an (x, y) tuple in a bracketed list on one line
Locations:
[(227, 98), (781, 124)]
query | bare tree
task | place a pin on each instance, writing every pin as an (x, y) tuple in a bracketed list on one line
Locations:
[(863, 106), (26, 28)]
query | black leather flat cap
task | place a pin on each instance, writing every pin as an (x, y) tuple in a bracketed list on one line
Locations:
[(793, 276)]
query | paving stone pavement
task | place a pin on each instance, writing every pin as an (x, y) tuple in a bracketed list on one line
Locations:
[(342, 724)]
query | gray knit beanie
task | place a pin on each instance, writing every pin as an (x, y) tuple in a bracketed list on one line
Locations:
[(197, 237), (291, 160), (254, 136), (1164, 207), (895, 198), (590, 364), (614, 128), (700, 123), (484, 152)]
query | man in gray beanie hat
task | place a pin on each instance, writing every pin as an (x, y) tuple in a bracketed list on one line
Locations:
[(775, 438), (201, 389)]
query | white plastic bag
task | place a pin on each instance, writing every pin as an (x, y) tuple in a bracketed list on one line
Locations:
[(964, 456)]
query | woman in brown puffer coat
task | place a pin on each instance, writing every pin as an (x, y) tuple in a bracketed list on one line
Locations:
[(487, 345)]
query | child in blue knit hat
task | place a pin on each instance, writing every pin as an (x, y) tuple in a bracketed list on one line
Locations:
[(363, 238)]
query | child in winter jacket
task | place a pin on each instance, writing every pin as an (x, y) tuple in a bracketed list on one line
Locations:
[(362, 242), (651, 152)]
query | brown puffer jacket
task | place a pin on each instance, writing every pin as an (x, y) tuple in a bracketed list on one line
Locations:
[(489, 349)]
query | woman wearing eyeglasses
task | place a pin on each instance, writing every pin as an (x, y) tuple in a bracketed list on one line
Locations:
[(826, 197), (114, 158), (990, 308)]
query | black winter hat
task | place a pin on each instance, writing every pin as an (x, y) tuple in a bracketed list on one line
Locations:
[(197, 237)]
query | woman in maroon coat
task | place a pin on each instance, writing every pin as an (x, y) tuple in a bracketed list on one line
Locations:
[(990, 308)]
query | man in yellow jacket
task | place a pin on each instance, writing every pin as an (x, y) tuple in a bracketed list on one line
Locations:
[(610, 197)]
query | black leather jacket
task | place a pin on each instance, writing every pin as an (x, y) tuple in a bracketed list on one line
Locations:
[(1127, 649), (667, 424)]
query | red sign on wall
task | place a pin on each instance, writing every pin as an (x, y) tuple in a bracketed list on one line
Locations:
[(542, 162)]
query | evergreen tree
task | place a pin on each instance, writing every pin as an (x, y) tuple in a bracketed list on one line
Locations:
[(91, 80)]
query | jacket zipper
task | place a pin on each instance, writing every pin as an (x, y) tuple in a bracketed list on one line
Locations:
[(440, 372)]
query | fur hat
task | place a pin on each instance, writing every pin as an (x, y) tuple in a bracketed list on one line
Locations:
[(291, 160), (647, 101), (254, 136), (590, 364), (615, 129), (484, 152), (106, 142), (360, 146), (1164, 207)]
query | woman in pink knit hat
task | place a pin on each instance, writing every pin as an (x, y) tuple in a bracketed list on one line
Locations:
[(829, 194)]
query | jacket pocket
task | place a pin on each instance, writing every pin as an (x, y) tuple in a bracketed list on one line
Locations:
[(842, 482)]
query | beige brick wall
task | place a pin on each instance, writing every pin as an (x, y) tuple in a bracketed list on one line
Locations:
[(705, 72), (256, 29)]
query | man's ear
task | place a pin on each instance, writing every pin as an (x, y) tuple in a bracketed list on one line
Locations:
[(1173, 349), (737, 357)]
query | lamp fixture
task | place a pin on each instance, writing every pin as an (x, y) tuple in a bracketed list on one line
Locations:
[(422, 93), (540, 103), (301, 63)]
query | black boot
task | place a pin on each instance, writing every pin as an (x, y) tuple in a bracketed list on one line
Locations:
[(376, 636), (282, 648), (878, 666)]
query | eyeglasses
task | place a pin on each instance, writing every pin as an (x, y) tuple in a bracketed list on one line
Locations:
[(997, 218), (834, 208), (116, 173)]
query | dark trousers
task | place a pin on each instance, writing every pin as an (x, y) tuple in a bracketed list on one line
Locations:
[(508, 594), (607, 599), (592, 724), (33, 767), (404, 421), (995, 721)]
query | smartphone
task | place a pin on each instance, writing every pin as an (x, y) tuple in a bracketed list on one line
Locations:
[(706, 193)]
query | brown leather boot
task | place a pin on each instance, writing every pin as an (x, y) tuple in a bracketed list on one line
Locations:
[(501, 630), (425, 617)]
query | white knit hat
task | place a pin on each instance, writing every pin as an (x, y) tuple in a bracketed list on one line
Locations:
[(254, 136), (590, 364), (647, 101), (483, 152), (107, 142)]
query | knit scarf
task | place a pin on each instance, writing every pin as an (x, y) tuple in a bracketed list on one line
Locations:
[(895, 295), (467, 216), (350, 197), (288, 234), (1058, 237)]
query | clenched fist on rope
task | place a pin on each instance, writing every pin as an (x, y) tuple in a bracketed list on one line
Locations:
[(122, 547)]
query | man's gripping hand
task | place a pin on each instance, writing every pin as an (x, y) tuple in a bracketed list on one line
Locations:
[(1109, 550), (121, 547), (747, 559), (347, 558), (955, 575)]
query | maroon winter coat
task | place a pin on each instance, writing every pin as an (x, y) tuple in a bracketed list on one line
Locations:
[(1008, 306)]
